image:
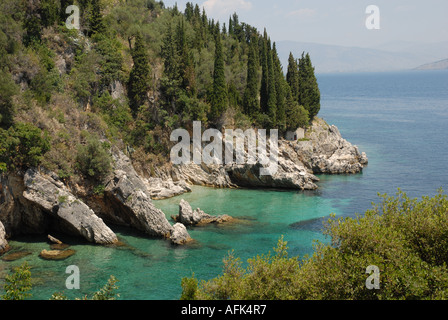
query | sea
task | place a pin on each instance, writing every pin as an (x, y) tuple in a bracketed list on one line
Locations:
[(400, 119)]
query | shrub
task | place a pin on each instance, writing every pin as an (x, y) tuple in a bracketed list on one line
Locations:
[(93, 158), (7, 89), (407, 239), (23, 146), (18, 284)]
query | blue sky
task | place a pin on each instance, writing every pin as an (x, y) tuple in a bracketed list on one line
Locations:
[(340, 22)]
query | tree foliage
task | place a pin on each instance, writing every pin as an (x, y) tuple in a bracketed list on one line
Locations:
[(218, 99), (93, 158), (140, 75), (405, 238), (309, 94), (18, 285), (23, 146), (168, 67)]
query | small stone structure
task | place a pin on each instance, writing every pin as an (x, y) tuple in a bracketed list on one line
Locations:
[(295, 135)]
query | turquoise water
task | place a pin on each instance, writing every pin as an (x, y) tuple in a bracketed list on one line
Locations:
[(399, 119)]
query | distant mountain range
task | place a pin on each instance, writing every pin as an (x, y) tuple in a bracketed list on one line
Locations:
[(391, 56), (438, 65)]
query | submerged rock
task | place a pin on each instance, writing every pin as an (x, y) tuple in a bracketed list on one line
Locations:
[(73, 215), (188, 216), (13, 256), (56, 254)]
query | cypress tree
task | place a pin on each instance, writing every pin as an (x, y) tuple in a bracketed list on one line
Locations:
[(265, 72), (189, 11), (170, 55), (172, 79), (272, 94), (292, 77), (196, 15), (219, 95), (309, 94), (231, 29), (251, 104), (140, 75), (280, 84), (296, 115), (96, 21), (186, 58)]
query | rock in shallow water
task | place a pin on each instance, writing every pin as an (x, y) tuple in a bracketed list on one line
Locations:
[(180, 235), (188, 216), (56, 254), (13, 256)]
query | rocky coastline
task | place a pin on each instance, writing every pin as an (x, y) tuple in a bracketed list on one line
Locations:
[(38, 202)]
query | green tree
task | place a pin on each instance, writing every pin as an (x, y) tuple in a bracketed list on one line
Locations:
[(272, 94), (110, 60), (96, 18), (171, 81), (187, 70), (280, 87), (296, 115), (32, 24), (292, 76), (218, 98), (264, 60), (309, 94), (23, 146), (140, 75), (251, 103), (8, 89), (18, 285), (93, 158)]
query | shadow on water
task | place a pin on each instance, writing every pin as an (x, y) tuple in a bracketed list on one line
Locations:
[(315, 224)]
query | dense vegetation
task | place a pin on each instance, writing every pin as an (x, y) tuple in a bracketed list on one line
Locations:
[(405, 238), (133, 72)]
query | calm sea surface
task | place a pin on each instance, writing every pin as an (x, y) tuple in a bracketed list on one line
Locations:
[(399, 119)]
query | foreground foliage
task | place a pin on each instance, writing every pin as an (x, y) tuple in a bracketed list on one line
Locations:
[(19, 284), (406, 238), (107, 292)]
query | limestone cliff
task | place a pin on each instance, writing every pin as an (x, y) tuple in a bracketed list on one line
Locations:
[(323, 150), (39, 202)]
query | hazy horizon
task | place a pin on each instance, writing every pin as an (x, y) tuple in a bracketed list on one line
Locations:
[(339, 23), (411, 33)]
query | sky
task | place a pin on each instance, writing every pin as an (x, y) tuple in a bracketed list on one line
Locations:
[(336, 22)]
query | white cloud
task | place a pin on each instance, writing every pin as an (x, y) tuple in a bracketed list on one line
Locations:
[(225, 7), (302, 13)]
